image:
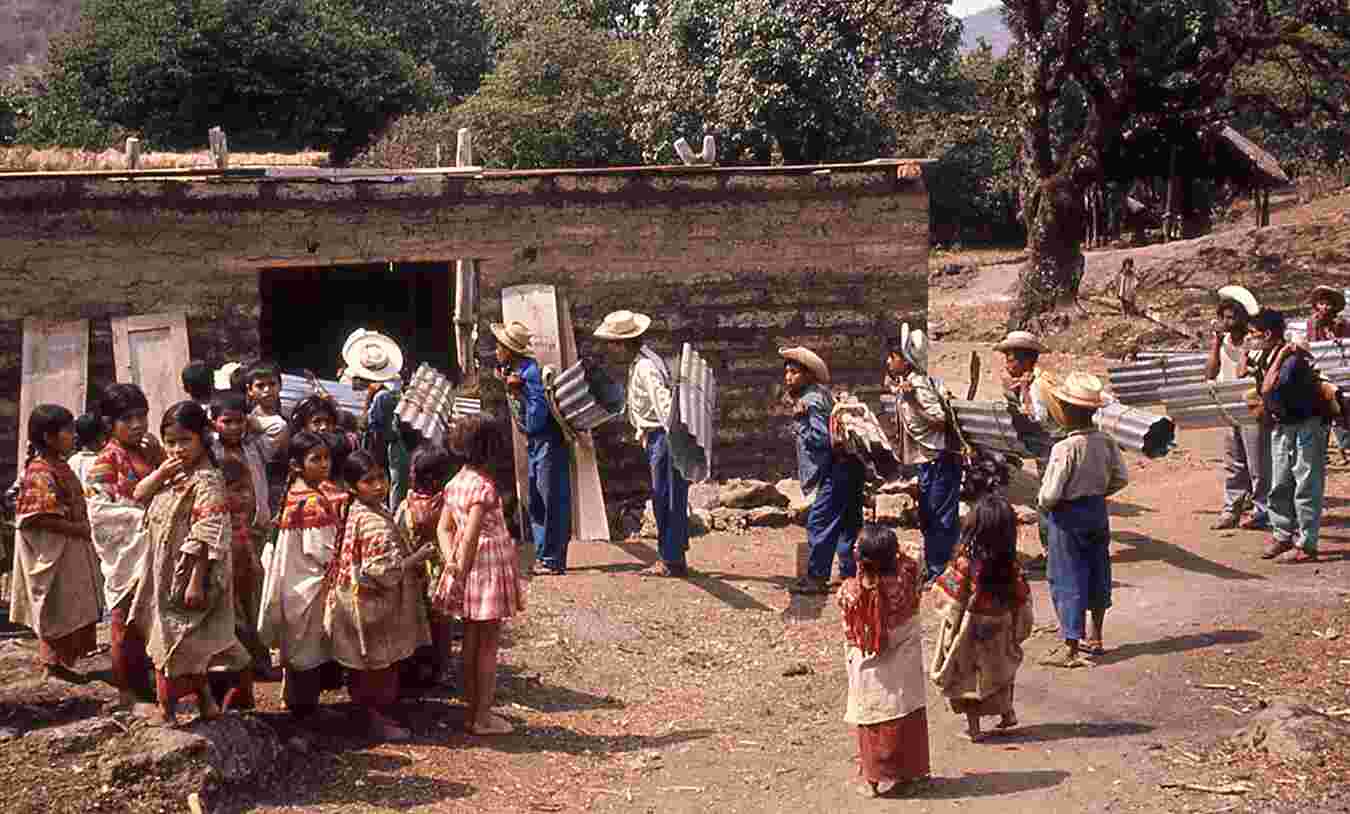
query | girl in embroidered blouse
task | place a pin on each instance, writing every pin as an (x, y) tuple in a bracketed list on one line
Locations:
[(295, 566), (184, 601), (884, 657), (55, 583), (123, 478), (481, 580), (417, 517), (375, 615)]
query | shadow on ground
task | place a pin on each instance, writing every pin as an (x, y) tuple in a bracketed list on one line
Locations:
[(1177, 644), (1144, 548), (988, 784)]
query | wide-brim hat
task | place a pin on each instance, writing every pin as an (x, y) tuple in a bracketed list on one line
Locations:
[(1080, 389), (809, 360), (1337, 297), (623, 325), (1020, 340), (372, 356), (223, 374), (1242, 297), (914, 346), (515, 337)]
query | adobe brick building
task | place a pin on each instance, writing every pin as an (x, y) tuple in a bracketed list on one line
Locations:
[(736, 260)]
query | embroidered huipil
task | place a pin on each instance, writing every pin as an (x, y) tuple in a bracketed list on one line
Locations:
[(291, 617), (115, 515)]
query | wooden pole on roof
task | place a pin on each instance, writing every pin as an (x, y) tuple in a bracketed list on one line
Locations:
[(133, 153), (464, 302), (220, 150)]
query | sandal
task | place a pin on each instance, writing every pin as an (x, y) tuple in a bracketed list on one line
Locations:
[(1056, 658), (1092, 647), (809, 586)]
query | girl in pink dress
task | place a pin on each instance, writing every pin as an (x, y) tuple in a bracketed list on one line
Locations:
[(481, 583)]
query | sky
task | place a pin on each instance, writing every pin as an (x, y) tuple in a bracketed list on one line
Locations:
[(965, 8)]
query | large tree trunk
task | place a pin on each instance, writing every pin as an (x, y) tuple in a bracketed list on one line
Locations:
[(1054, 219)]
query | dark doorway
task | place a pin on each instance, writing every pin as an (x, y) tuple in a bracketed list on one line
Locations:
[(308, 313)]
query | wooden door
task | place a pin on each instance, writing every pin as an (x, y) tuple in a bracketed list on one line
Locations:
[(151, 350), (544, 311), (55, 369)]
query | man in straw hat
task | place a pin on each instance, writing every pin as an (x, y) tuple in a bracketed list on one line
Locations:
[(1022, 389), (836, 514), (648, 397), (1291, 394), (1327, 323), (1246, 449), (374, 363), (550, 467), (1084, 468), (925, 441)]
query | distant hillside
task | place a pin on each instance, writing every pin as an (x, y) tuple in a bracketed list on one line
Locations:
[(26, 27), (989, 25)]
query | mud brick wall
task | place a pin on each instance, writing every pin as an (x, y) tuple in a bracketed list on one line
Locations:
[(737, 261)]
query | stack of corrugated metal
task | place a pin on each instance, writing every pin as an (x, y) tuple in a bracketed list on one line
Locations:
[(429, 404), (692, 425), (996, 426), (584, 396), (295, 389)]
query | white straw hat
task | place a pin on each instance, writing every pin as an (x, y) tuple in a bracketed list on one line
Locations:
[(515, 337), (1242, 297), (372, 356), (1020, 340), (223, 374), (1081, 389), (809, 360), (914, 347), (623, 325)]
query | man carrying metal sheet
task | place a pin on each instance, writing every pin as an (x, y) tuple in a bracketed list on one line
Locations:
[(550, 467), (1327, 323), (1021, 352), (925, 439), (1246, 449), (648, 396)]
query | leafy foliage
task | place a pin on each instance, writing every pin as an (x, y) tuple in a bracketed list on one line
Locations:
[(451, 36), (274, 73)]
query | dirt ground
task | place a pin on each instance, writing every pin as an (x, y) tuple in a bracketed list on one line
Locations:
[(724, 693)]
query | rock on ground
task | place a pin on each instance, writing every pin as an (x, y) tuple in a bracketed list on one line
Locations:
[(797, 504), (750, 494), (896, 510), (771, 517), (1291, 730), (700, 522), (732, 520), (206, 757), (707, 496)]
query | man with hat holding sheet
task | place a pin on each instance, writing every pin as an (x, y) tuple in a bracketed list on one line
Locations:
[(1246, 449), (1327, 323), (373, 363), (836, 514), (1023, 389), (550, 467), (648, 396), (924, 440)]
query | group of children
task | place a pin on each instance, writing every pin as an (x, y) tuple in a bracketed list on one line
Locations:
[(238, 531)]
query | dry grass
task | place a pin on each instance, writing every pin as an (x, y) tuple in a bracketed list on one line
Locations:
[(56, 159)]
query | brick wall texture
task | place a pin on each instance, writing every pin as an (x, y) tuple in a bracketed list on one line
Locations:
[(736, 261)]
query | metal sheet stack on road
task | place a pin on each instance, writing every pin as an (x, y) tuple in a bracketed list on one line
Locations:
[(1136, 430), (995, 426), (585, 396), (693, 416), (429, 404)]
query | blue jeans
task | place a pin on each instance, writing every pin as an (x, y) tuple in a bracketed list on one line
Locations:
[(940, 510), (1079, 570), (1298, 456), (550, 502), (670, 500), (834, 519)]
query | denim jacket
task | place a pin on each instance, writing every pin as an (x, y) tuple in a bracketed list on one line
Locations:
[(812, 431), (540, 425)]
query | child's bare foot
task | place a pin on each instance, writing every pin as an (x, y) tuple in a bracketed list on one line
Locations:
[(166, 715), (869, 789), (491, 725), (973, 728), (387, 729), (1008, 721)]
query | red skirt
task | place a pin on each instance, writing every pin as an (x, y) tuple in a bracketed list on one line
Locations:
[(70, 648), (895, 750)]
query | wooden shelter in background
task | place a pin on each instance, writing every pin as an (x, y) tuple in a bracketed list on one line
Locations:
[(1180, 156)]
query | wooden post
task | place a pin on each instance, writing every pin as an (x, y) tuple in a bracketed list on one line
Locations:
[(438, 154), (464, 305), (1169, 220), (133, 153), (220, 150), (464, 148)]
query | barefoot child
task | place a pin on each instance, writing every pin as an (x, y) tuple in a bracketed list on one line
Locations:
[(884, 657), (985, 610), (1084, 468), (90, 436), (291, 616), (417, 517), (481, 581), (184, 602), (120, 483), (55, 584), (374, 614)]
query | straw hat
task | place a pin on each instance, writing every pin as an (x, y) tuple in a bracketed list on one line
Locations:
[(515, 337), (1020, 340), (914, 347), (1337, 297), (809, 360), (1242, 297), (1080, 389), (623, 325), (372, 356), (223, 374)]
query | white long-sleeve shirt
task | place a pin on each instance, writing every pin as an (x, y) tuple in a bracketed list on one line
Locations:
[(648, 397)]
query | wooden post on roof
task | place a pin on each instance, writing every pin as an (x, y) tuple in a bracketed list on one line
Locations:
[(133, 153), (220, 150), (464, 305), (464, 148), (1171, 217)]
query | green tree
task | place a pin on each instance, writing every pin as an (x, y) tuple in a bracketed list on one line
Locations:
[(1092, 72), (452, 36), (276, 74), (814, 79)]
